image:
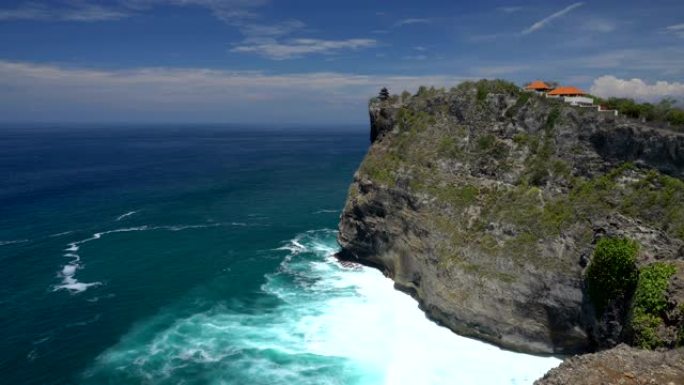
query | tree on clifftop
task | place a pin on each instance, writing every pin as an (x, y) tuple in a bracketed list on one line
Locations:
[(384, 94)]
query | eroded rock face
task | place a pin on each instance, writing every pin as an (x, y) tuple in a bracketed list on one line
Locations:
[(485, 205)]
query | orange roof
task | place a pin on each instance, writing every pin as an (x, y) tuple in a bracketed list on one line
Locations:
[(538, 85), (560, 91)]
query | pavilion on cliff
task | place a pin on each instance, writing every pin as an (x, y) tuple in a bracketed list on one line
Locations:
[(538, 86)]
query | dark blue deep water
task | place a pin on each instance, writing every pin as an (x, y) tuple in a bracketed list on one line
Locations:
[(104, 227), (203, 255)]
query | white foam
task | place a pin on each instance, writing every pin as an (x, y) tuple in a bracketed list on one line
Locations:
[(326, 211), (336, 325), (60, 234), (13, 242), (68, 272), (74, 286), (126, 215)]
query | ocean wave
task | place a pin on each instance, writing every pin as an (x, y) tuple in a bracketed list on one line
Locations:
[(13, 242), (326, 211), (331, 325), (125, 215), (67, 272), (63, 233)]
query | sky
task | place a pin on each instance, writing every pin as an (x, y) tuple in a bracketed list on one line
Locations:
[(316, 62)]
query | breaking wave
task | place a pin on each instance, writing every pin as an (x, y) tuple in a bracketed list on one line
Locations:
[(327, 324), (67, 273)]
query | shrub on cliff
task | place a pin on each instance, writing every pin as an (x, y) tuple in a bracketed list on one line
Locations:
[(649, 304), (664, 111), (612, 274)]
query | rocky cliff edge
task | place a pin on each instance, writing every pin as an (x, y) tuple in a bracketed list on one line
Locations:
[(486, 204)]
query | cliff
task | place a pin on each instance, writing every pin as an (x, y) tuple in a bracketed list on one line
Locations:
[(486, 204)]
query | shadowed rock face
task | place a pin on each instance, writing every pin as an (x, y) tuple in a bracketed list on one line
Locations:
[(485, 205)]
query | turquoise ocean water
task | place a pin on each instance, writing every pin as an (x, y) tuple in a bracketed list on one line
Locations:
[(203, 255)]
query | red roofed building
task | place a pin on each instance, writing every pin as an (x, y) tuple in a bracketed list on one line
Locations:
[(538, 86), (567, 91), (572, 95)]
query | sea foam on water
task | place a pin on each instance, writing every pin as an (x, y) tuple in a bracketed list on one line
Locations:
[(331, 325)]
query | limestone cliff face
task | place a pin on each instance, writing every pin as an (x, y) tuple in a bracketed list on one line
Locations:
[(485, 204)]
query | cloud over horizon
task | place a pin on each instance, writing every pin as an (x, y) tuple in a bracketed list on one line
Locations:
[(607, 86), (63, 93)]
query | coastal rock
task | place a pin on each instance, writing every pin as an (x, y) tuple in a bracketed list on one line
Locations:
[(621, 365), (485, 204)]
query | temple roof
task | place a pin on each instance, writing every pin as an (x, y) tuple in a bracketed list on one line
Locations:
[(560, 91), (538, 85)]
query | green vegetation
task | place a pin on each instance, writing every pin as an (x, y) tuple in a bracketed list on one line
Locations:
[(486, 142), (485, 87), (427, 145), (551, 120), (658, 198), (612, 273), (653, 281), (448, 147), (481, 92), (664, 111), (405, 96), (380, 168), (521, 139), (649, 303), (542, 154), (411, 120), (456, 196), (653, 197), (522, 100)]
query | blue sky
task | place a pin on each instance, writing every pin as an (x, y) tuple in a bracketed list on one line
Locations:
[(276, 61)]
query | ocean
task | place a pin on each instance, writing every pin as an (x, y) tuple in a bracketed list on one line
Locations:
[(203, 254)]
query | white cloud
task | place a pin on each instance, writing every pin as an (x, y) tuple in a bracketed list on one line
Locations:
[(265, 39), (416, 57), (677, 30), (273, 29), (30, 91), (411, 21), (666, 60), (543, 22), (500, 70), (510, 9), (599, 25), (295, 48), (77, 12), (230, 11), (607, 86)]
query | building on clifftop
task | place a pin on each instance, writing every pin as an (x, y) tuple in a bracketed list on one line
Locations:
[(538, 86), (572, 95)]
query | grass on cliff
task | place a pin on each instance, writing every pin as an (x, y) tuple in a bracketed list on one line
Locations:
[(652, 196), (485, 87)]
